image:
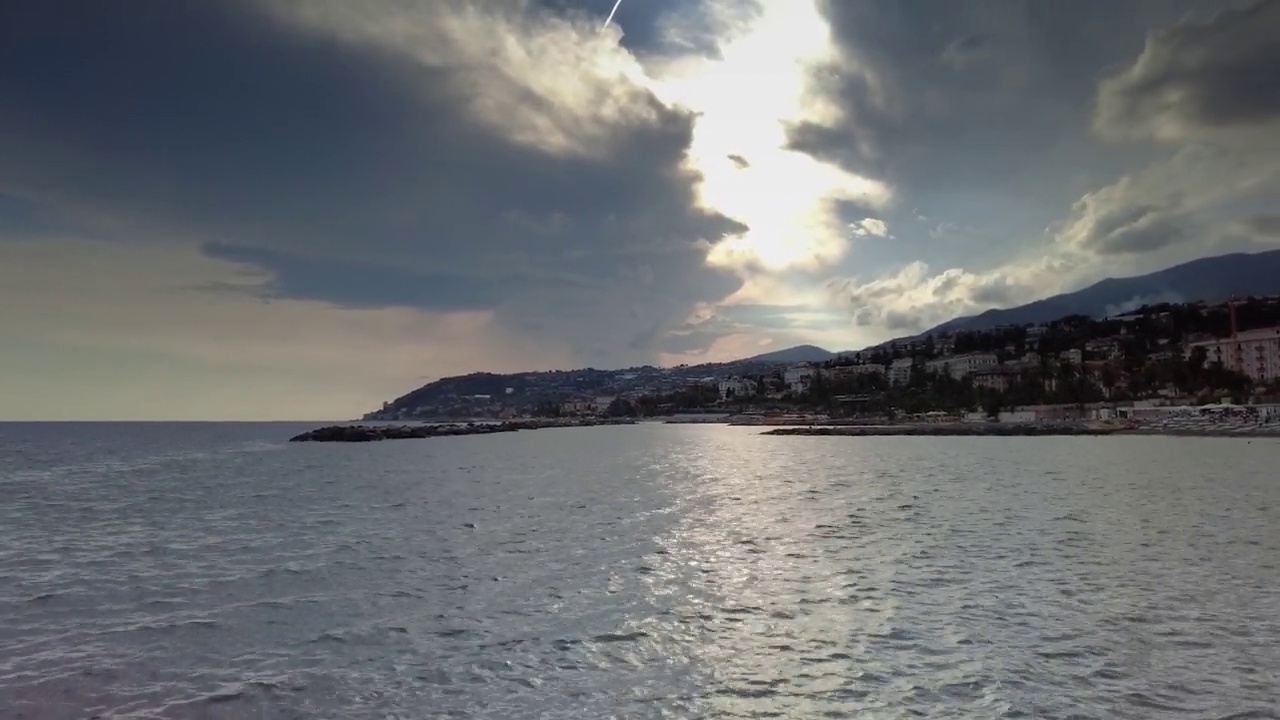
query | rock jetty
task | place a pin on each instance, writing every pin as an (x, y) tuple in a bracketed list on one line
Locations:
[(949, 429), (376, 433)]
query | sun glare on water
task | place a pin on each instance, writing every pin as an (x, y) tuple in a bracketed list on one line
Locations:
[(744, 101)]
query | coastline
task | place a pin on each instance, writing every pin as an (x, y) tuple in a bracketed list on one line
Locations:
[(1250, 433), (1016, 430), (356, 433), (944, 430)]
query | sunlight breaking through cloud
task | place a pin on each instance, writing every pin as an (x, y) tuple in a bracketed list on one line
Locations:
[(744, 101)]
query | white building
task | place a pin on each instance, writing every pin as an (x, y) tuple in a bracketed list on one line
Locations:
[(900, 371), (1027, 362), (853, 370), (902, 344), (998, 378), (1075, 356), (1255, 353), (1108, 347), (959, 366), (579, 406), (736, 387), (797, 378), (1018, 416)]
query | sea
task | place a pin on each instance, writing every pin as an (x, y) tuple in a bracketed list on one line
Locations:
[(647, 571)]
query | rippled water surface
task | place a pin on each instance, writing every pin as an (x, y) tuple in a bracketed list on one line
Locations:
[(214, 571)]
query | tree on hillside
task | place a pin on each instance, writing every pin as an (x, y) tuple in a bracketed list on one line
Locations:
[(621, 407), (1198, 359), (992, 403), (1109, 379)]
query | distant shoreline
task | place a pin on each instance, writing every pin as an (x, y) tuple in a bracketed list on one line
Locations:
[(356, 433), (943, 430), (1012, 430)]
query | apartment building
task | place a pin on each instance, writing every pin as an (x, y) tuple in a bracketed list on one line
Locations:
[(959, 366), (900, 371), (1255, 353)]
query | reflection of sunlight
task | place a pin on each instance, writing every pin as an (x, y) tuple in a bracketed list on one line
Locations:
[(750, 571), (744, 101)]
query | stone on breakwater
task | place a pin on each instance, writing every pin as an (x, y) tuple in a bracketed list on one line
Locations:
[(376, 433)]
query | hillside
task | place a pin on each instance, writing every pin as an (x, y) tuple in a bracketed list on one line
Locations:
[(1209, 279), (462, 395), (797, 354)]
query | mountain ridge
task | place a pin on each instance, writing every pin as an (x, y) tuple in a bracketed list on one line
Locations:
[(795, 354), (1213, 280)]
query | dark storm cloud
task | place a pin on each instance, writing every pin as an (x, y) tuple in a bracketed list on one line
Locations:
[(900, 87), (903, 321), (938, 91), (970, 49), (996, 293), (982, 114), (1135, 229), (1195, 75), (976, 113), (351, 173), (357, 285), (1266, 225)]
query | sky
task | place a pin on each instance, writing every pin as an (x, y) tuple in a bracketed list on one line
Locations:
[(296, 209)]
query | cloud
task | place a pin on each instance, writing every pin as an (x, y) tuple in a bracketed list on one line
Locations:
[(914, 299), (902, 100), (1265, 225), (1013, 124), (744, 99), (550, 81), (1187, 197), (1250, 234), (969, 50), (994, 155), (1202, 85), (691, 182), (870, 226), (977, 115), (1105, 224), (446, 155), (1198, 76)]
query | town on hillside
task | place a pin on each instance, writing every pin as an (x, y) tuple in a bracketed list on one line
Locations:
[(1074, 368)]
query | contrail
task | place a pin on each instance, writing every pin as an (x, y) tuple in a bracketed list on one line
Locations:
[(611, 12)]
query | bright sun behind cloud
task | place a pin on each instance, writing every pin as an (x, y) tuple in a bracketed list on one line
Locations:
[(744, 101)]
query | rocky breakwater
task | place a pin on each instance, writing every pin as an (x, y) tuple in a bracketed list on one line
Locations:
[(949, 429), (375, 433)]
